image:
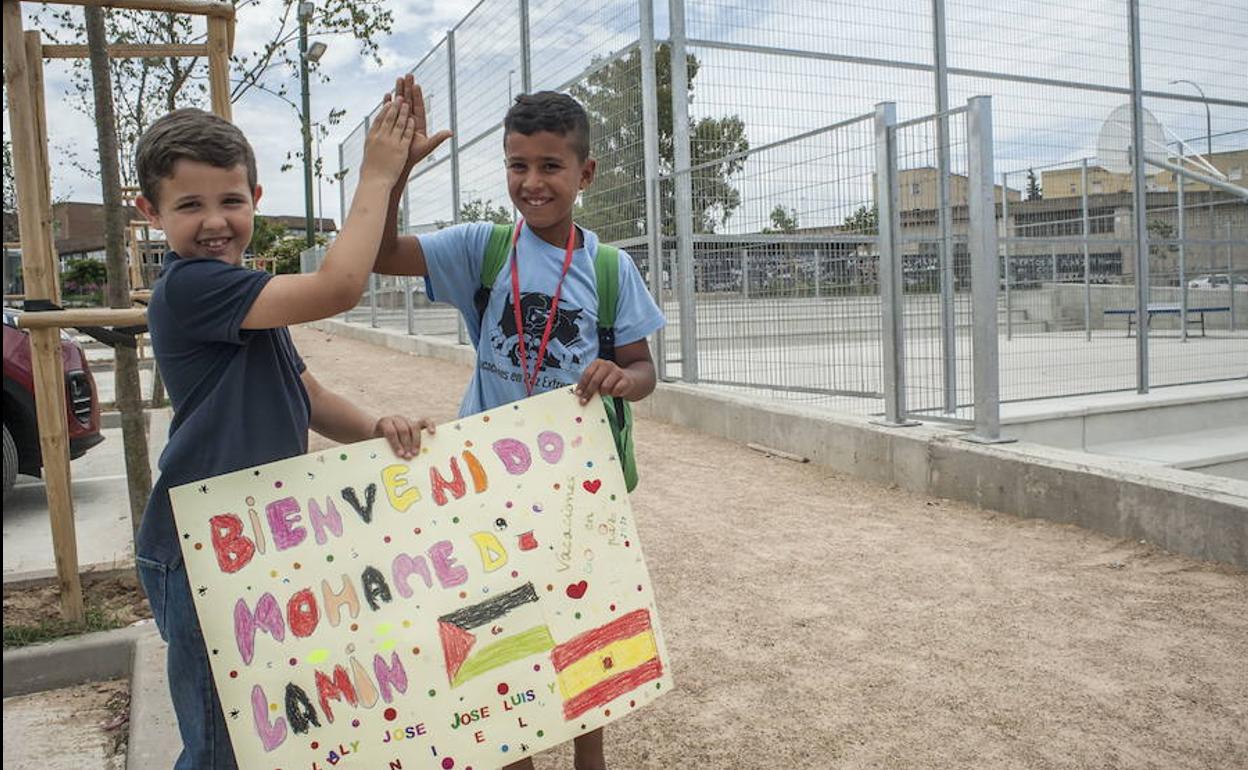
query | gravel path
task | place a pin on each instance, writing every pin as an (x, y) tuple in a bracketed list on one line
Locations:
[(818, 621)]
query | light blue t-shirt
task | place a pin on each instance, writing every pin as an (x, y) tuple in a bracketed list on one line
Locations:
[(454, 258)]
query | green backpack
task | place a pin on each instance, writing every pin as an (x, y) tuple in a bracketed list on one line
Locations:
[(607, 278)]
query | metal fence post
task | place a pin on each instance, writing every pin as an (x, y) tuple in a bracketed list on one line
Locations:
[(1230, 271), (372, 300), (888, 271), (1182, 255), (526, 59), (948, 328), (682, 178), (453, 106), (651, 163), (1140, 202), (983, 248), (1087, 257), (745, 274), (1005, 271), (407, 304)]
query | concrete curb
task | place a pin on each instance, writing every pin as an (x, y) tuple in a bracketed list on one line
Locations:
[(68, 662), (1198, 515), (154, 739), (42, 577)]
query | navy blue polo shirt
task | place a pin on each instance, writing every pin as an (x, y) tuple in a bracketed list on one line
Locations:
[(237, 396)]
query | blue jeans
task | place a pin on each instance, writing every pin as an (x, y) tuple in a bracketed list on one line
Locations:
[(205, 739)]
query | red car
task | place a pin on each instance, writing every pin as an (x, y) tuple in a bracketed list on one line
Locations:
[(21, 433)]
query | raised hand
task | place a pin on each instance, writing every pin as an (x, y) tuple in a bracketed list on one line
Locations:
[(422, 145), (388, 141)]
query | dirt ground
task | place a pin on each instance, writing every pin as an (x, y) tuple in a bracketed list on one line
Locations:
[(115, 596), (818, 621)]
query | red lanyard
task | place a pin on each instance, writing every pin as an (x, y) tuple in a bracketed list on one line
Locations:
[(530, 383)]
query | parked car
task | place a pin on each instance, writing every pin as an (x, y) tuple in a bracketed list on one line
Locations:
[(1218, 281), (22, 453)]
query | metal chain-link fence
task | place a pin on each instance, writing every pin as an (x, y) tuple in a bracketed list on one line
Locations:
[(738, 164)]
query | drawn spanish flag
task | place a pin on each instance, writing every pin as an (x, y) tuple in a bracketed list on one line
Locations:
[(602, 664), (514, 618)]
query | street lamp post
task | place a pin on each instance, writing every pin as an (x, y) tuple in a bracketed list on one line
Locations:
[(306, 55), (1209, 159)]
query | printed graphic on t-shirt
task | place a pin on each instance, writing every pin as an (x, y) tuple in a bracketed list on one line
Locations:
[(566, 348)]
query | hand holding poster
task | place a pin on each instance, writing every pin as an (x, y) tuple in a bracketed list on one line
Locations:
[(464, 609)]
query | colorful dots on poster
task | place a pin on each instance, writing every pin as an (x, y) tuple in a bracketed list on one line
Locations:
[(317, 657), (233, 675), (589, 463), (390, 714), (508, 504), (432, 693), (502, 688), (537, 508), (355, 723), (315, 745), (541, 733), (386, 539), (415, 650), (515, 574), (537, 666), (329, 558), (342, 456), (416, 531), (277, 485), (293, 661), (199, 546), (250, 500), (447, 763)]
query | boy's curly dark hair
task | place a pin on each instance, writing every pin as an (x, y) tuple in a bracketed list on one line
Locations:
[(195, 135), (549, 111)]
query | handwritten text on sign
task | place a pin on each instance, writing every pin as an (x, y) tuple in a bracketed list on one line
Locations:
[(465, 609)]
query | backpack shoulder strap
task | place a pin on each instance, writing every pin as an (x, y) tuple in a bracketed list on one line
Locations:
[(607, 278), (497, 249)]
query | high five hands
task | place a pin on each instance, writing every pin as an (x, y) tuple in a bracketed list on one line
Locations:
[(422, 145)]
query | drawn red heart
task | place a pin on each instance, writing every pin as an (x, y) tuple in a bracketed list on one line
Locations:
[(577, 590), (592, 487)]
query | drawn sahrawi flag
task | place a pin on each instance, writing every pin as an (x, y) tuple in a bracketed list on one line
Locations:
[(493, 633), (602, 664)]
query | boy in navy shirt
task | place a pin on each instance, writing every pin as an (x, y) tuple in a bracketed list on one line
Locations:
[(539, 328), (241, 395)]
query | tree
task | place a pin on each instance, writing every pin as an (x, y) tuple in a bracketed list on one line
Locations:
[(614, 206), (1034, 193), (864, 220), (129, 394), (478, 210), (146, 88), (265, 234), (783, 220)]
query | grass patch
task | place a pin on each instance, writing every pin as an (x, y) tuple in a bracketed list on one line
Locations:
[(97, 619)]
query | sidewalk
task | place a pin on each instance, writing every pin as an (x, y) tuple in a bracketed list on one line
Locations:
[(817, 621)]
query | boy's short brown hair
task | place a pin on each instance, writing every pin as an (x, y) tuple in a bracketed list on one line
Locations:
[(195, 135), (550, 111)]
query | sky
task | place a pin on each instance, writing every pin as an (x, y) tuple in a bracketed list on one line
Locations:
[(776, 96), (357, 84)]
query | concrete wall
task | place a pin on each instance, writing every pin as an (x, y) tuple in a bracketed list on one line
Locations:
[(1202, 516), (1060, 306)]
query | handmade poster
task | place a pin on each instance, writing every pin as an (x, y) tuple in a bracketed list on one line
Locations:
[(458, 611)]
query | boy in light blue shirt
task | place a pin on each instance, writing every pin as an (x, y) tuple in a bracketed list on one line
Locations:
[(538, 329)]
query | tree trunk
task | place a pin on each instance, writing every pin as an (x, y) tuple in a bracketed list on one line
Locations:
[(126, 365)]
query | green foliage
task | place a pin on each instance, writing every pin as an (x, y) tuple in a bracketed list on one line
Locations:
[(783, 220), (1034, 193), (864, 220), (264, 235), (286, 250), (614, 206), (84, 280), (145, 88), (484, 211)]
